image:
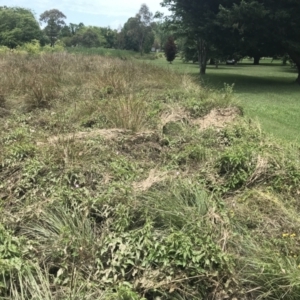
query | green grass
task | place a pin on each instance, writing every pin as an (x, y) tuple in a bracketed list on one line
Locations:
[(108, 52), (101, 51), (266, 92)]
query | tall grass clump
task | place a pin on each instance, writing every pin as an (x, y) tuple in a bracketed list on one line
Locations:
[(127, 112)]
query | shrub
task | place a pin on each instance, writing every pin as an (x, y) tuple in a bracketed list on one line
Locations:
[(170, 49), (32, 48)]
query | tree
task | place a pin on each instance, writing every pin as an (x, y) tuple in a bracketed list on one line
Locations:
[(250, 27), (170, 49), (110, 36), (145, 36), (196, 18), (277, 31), (250, 21), (18, 26), (161, 30), (54, 19), (137, 33), (74, 28), (89, 36), (128, 35), (68, 34)]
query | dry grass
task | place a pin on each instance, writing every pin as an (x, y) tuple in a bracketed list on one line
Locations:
[(83, 88)]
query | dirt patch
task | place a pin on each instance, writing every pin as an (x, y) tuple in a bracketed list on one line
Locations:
[(218, 118), (154, 176)]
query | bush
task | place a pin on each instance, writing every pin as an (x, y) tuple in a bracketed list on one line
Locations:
[(170, 49), (32, 48)]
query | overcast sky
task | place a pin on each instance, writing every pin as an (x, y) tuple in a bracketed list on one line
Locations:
[(102, 13)]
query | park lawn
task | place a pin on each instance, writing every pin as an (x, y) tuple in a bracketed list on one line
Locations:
[(267, 92)]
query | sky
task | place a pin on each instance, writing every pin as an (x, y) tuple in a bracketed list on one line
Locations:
[(103, 13)]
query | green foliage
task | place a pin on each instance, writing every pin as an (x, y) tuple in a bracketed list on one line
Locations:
[(89, 37), (4, 50), (17, 26), (236, 165), (230, 29), (58, 47), (170, 49), (32, 48), (125, 293), (54, 20), (267, 15), (137, 32), (200, 104), (11, 253)]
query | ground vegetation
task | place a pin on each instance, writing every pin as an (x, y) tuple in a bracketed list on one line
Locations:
[(123, 180)]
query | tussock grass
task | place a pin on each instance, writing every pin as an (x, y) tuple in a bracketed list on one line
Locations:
[(111, 189)]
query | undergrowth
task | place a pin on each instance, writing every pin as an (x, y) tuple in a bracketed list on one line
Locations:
[(111, 189)]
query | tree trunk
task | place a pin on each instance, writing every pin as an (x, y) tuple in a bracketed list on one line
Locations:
[(212, 61), (202, 56), (256, 60), (296, 58), (298, 78)]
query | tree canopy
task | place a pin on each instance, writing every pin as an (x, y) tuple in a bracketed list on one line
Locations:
[(254, 28), (196, 18), (268, 25), (137, 33), (17, 26), (55, 22)]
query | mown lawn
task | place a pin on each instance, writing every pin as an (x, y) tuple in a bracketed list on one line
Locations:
[(266, 92)]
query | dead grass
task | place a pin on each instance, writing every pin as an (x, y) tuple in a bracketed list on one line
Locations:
[(155, 176), (218, 118)]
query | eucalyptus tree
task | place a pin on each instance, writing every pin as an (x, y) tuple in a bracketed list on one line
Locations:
[(54, 20), (137, 33)]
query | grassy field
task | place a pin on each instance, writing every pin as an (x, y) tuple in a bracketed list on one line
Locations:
[(121, 180), (266, 92), (108, 52)]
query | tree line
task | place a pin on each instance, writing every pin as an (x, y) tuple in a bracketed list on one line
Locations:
[(19, 25), (202, 29)]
